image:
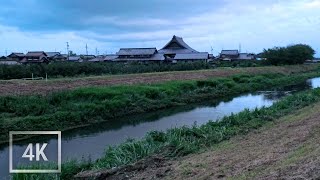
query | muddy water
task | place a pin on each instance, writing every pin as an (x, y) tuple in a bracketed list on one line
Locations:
[(90, 142)]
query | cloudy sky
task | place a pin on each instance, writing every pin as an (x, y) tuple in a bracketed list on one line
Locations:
[(108, 25)]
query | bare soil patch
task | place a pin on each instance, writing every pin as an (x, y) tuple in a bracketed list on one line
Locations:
[(20, 87)]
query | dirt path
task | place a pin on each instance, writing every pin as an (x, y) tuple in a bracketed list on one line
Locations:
[(288, 148), (20, 87)]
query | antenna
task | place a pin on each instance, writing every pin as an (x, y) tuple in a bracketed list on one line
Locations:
[(87, 49)]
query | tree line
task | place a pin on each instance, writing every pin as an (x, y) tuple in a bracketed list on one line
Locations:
[(293, 54)]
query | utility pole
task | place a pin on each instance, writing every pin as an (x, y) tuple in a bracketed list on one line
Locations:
[(96, 51), (87, 49), (211, 50), (239, 47), (67, 50)]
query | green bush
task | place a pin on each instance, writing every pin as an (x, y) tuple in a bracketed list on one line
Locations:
[(293, 54)]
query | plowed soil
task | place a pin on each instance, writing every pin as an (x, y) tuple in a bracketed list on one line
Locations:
[(22, 87)]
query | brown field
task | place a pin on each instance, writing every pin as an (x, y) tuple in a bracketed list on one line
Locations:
[(288, 148), (22, 87)]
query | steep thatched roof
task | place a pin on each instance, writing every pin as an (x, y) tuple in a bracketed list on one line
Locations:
[(177, 45)]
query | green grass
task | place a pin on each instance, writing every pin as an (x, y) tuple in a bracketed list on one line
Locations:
[(84, 106), (185, 140)]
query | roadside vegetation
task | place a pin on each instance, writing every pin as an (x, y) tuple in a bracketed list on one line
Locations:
[(71, 69), (85, 106), (183, 141)]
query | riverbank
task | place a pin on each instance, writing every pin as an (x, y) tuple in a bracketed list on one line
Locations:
[(159, 154), (42, 87), (287, 148), (85, 106)]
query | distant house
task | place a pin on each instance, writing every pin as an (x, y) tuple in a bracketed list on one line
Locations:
[(56, 56), (97, 59), (7, 61), (192, 57), (87, 57), (35, 57), (178, 50), (233, 55), (246, 56), (110, 58), (16, 56), (314, 60), (211, 56), (75, 59), (175, 50), (138, 55), (229, 55)]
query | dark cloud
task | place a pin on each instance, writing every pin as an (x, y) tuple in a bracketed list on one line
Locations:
[(55, 15)]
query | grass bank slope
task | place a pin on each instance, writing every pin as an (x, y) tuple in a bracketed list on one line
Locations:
[(285, 148)]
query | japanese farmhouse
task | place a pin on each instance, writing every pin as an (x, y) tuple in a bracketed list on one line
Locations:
[(175, 50), (232, 55)]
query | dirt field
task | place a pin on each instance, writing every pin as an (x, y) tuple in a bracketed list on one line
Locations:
[(20, 87), (288, 148)]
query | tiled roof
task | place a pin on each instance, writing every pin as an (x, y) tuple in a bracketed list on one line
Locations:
[(36, 53), (246, 56), (176, 51), (181, 43), (136, 51), (229, 52), (155, 57), (17, 54), (110, 57), (74, 58), (192, 56), (97, 59), (52, 54)]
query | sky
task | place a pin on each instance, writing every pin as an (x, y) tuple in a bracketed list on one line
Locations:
[(107, 25)]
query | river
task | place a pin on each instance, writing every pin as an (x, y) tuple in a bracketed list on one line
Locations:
[(91, 142)]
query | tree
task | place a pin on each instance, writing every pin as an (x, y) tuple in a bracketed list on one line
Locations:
[(293, 54)]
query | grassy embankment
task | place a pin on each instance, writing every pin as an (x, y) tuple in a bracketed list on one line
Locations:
[(182, 141), (80, 107)]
